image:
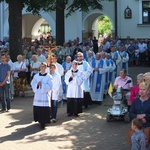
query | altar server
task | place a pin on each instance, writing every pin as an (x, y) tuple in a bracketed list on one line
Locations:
[(55, 91), (42, 86), (73, 79)]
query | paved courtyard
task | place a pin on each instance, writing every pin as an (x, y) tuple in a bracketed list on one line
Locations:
[(90, 131)]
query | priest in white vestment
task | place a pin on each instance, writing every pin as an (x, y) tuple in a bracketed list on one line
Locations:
[(117, 59), (66, 65), (86, 69), (98, 78), (111, 75), (108, 67), (124, 58)]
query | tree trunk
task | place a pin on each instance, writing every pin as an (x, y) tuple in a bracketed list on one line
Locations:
[(15, 28), (60, 23)]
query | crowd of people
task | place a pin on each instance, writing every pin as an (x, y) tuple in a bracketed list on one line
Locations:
[(80, 72)]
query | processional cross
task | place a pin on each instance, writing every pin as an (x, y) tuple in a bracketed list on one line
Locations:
[(49, 48)]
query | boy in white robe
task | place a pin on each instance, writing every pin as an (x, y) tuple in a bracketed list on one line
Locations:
[(59, 70), (55, 91)]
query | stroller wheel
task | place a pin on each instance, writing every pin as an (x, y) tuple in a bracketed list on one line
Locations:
[(108, 117)]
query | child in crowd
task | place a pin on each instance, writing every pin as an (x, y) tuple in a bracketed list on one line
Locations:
[(138, 137)]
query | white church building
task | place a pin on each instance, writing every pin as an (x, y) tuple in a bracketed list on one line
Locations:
[(128, 17)]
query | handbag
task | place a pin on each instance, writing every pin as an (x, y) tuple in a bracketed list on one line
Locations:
[(22, 74), (146, 131)]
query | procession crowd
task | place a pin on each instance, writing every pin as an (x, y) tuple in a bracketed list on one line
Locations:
[(79, 72)]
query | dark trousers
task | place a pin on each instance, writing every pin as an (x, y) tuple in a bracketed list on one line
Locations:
[(142, 58), (5, 96), (54, 108)]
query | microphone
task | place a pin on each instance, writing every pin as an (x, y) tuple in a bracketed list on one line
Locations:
[(128, 81)]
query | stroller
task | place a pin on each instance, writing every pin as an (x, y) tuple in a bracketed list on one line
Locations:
[(119, 110)]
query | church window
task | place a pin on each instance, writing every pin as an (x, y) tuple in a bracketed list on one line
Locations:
[(146, 12)]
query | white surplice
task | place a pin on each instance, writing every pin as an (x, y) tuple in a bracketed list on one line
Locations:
[(74, 89), (42, 95)]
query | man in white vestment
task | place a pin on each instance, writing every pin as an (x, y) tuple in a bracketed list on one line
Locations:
[(98, 78), (108, 67), (86, 70), (74, 80), (111, 71), (90, 56), (117, 59), (124, 58), (42, 86), (66, 65)]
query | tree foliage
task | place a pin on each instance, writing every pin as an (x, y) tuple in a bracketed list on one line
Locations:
[(104, 25), (35, 6)]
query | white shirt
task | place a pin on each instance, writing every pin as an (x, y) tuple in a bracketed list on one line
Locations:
[(142, 47), (35, 65), (18, 66), (41, 58)]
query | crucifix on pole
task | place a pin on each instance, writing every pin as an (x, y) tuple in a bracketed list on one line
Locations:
[(49, 49)]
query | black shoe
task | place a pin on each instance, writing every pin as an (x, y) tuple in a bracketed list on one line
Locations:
[(86, 106), (76, 115), (42, 126), (99, 103), (104, 96), (2, 110), (69, 115)]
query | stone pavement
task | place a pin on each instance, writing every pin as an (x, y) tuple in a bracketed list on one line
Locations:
[(90, 131)]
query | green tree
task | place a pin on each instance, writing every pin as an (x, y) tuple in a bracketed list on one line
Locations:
[(104, 25), (35, 6)]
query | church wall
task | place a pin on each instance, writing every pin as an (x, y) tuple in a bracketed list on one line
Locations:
[(130, 26), (73, 26), (81, 22)]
